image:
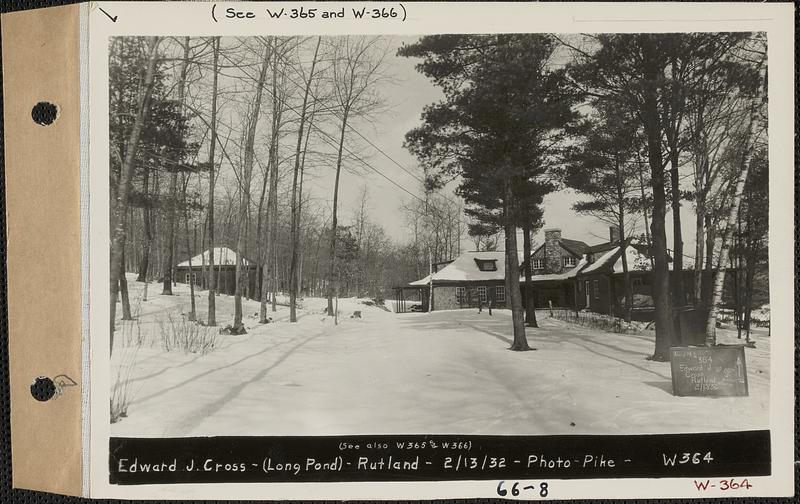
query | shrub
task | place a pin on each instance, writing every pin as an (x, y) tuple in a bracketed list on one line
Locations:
[(597, 321), (178, 333)]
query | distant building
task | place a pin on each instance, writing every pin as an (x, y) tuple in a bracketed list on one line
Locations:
[(471, 279), (564, 272), (224, 271), (554, 266)]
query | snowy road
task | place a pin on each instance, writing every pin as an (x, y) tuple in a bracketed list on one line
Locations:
[(445, 372)]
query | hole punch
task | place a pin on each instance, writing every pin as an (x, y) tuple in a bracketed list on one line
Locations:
[(44, 113), (44, 388)]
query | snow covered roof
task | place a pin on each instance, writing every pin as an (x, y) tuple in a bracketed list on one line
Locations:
[(575, 246), (564, 275), (612, 260), (421, 282), (465, 268), (223, 256)]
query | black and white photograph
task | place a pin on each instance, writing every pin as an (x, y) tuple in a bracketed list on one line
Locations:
[(504, 234)]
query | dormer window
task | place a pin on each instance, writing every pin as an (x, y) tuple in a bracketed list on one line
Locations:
[(486, 264), (538, 264), (570, 262)]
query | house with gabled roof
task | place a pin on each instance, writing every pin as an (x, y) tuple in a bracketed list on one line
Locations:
[(565, 273), (197, 270), (554, 267), (470, 280)]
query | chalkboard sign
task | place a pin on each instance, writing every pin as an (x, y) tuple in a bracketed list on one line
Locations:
[(709, 371)]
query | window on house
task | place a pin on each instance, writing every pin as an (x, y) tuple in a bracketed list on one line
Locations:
[(597, 289), (538, 264), (486, 264), (500, 294), (461, 294), (570, 262), (186, 279), (482, 293)]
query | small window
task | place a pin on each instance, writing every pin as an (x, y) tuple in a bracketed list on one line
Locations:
[(500, 294), (486, 264), (186, 279), (482, 293), (597, 289), (538, 264), (461, 294), (570, 262)]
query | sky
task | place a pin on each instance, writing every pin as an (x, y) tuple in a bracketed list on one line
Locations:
[(408, 95)]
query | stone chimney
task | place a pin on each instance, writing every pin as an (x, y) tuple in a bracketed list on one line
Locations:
[(552, 251), (613, 234)]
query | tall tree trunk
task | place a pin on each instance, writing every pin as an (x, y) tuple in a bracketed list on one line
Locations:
[(520, 342), (244, 203), (147, 231), (334, 216), (678, 296), (295, 207), (271, 218), (123, 289), (212, 280), (530, 308), (699, 247), (193, 312), (169, 245), (120, 204), (661, 278), (725, 243)]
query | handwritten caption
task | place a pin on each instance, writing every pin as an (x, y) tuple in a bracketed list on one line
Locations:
[(386, 12), (723, 484)]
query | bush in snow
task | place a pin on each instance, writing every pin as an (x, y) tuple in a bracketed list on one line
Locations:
[(597, 321), (178, 333)]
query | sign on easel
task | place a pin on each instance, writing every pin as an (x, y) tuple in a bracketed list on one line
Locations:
[(709, 371)]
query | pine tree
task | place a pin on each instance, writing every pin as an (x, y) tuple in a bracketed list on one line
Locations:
[(505, 109)]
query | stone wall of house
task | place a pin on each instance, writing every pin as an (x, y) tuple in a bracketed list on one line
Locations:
[(553, 251), (444, 298)]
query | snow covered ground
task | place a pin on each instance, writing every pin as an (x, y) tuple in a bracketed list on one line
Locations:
[(387, 373)]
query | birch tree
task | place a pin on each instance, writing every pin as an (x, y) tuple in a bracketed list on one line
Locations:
[(757, 106)]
